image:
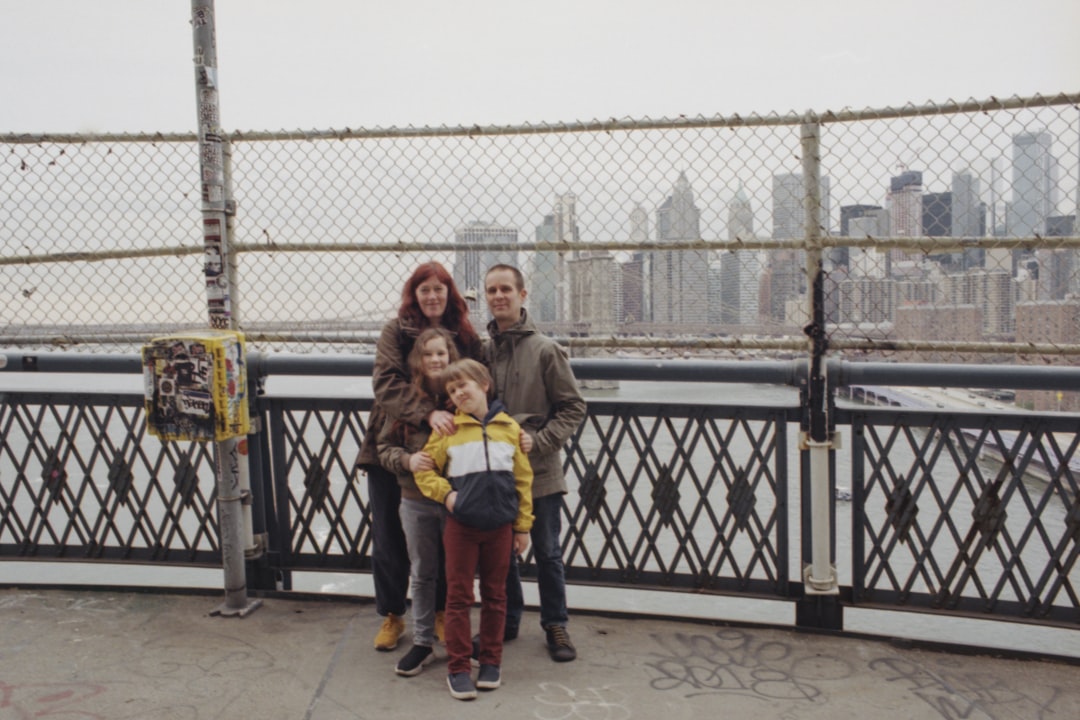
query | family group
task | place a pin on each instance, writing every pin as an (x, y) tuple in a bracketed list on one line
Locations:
[(464, 470)]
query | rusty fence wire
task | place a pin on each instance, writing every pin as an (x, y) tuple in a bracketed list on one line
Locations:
[(945, 232)]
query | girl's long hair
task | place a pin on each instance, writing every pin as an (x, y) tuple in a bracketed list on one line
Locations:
[(456, 316), (416, 358)]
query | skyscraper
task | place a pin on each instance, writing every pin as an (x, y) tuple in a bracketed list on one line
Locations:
[(872, 221), (1034, 184), (740, 271), (637, 298), (594, 283), (968, 216), (632, 273), (549, 287), (544, 303), (937, 214), (788, 216), (904, 201), (784, 278), (905, 204), (471, 265), (679, 278)]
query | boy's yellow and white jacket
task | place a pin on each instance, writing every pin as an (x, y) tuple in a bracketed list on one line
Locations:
[(484, 463)]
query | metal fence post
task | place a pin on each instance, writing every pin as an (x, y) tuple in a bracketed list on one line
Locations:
[(819, 606), (231, 454)]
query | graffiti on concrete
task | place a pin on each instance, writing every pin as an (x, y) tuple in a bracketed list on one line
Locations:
[(734, 661), (955, 693)]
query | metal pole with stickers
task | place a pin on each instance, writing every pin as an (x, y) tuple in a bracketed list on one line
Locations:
[(196, 384)]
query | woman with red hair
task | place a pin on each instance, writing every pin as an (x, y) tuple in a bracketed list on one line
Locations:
[(429, 299)]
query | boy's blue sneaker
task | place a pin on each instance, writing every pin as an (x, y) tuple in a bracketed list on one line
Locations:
[(489, 677), (414, 660), (461, 686)]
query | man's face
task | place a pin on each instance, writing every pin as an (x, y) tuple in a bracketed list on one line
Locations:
[(504, 299)]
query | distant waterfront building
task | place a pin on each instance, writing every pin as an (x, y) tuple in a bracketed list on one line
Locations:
[(992, 291), (593, 290), (1054, 274), (679, 278), (904, 201), (937, 214), (471, 265), (1060, 225), (1034, 184), (546, 272), (852, 212), (868, 262), (740, 271), (1053, 322), (916, 292), (787, 206), (637, 295), (937, 222), (740, 287), (939, 323), (548, 293), (867, 300), (1065, 268), (740, 217), (968, 216), (631, 309), (783, 282), (715, 310), (905, 204), (788, 216), (784, 276)]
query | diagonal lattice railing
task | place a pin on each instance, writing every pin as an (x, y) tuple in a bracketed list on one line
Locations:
[(322, 500), (967, 528), (83, 481), (974, 513), (663, 496), (683, 496)]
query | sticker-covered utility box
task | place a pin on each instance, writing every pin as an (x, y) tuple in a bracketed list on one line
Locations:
[(196, 386)]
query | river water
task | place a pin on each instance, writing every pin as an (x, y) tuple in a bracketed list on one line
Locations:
[(1015, 636)]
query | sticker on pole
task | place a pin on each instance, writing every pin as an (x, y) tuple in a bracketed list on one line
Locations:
[(196, 386)]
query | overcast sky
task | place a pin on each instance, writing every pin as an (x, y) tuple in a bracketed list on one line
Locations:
[(125, 65)]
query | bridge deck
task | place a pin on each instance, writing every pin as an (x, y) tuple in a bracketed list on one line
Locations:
[(139, 655)]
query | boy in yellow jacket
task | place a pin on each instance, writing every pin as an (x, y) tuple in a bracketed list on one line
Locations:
[(483, 478)]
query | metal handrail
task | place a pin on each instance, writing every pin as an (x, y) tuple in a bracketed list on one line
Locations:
[(841, 373)]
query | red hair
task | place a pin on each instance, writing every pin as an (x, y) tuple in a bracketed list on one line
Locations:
[(456, 316)]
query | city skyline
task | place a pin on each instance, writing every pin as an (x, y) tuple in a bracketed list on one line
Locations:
[(865, 286)]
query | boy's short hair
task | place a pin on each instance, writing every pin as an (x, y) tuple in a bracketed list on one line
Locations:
[(465, 369)]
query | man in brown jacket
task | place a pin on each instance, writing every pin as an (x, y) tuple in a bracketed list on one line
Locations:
[(532, 377)]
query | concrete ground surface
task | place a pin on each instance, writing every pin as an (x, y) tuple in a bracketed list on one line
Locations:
[(101, 654)]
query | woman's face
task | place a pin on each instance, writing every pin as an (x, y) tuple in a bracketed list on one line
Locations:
[(434, 357), (431, 295)]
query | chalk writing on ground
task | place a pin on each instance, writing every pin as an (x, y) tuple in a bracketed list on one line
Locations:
[(558, 702)]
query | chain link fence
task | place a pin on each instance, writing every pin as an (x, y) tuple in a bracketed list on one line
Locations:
[(945, 232)]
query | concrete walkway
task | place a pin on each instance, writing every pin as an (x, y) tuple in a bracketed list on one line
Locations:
[(112, 655)]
